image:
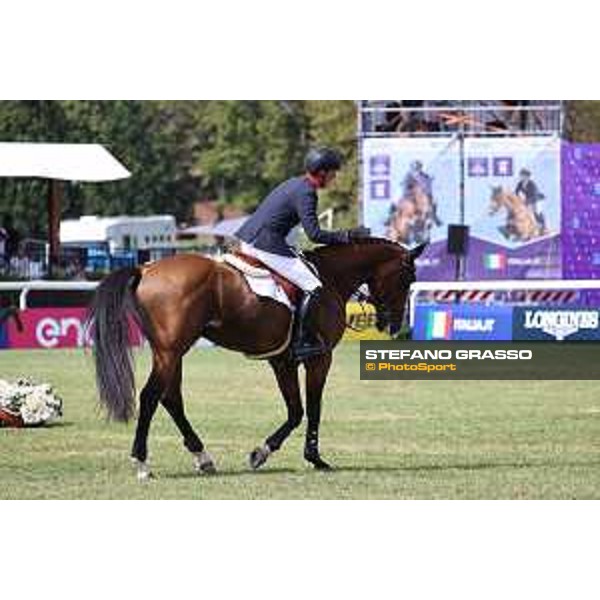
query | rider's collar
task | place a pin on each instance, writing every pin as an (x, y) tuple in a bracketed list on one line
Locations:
[(314, 181)]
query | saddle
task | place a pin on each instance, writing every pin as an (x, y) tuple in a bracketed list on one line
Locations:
[(253, 267)]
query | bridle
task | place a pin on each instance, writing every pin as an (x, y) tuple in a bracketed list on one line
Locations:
[(383, 314)]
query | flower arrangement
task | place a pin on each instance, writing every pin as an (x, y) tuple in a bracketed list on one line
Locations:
[(26, 403)]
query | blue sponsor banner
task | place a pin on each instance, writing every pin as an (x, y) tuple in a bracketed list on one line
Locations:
[(463, 322), (556, 324)]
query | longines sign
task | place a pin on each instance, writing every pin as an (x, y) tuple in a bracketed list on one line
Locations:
[(535, 323)]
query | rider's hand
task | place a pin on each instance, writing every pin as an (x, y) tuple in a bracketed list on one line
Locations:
[(358, 233)]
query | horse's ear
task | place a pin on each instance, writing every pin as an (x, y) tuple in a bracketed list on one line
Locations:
[(416, 252)]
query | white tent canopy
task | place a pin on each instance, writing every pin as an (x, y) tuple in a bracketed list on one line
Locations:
[(68, 162)]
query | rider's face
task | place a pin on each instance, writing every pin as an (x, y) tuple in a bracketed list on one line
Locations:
[(328, 178)]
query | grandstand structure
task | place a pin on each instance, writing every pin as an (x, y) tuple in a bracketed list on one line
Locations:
[(438, 118)]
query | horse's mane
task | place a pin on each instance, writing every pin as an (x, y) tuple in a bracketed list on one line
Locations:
[(376, 240), (325, 251), (367, 241)]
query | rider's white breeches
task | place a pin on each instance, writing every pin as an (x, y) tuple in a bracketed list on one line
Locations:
[(291, 268)]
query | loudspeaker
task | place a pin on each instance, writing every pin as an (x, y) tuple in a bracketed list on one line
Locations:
[(458, 240)]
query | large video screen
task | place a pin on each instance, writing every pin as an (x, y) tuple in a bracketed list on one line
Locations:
[(512, 202)]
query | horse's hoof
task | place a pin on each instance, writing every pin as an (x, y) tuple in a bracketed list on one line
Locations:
[(258, 457), (145, 475), (208, 469), (321, 465), (143, 472), (204, 464), (317, 462)]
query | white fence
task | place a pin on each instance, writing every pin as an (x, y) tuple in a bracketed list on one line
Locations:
[(24, 287)]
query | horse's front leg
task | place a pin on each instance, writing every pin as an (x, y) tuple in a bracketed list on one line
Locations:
[(317, 369), (286, 372)]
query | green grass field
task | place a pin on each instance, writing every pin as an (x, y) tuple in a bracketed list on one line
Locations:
[(418, 440)]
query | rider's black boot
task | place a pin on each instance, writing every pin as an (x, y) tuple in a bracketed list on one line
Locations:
[(306, 341)]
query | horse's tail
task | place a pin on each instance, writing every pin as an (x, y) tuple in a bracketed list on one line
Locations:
[(109, 322)]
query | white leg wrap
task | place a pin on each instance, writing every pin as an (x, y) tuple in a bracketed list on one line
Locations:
[(202, 460), (143, 471)]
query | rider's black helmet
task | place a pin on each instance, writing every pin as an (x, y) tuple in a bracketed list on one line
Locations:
[(322, 159)]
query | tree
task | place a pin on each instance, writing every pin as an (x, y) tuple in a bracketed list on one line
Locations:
[(251, 146), (143, 136), (582, 121)]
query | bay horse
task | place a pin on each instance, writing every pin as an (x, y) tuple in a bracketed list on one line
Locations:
[(520, 220), (178, 299)]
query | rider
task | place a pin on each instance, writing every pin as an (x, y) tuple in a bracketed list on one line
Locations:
[(264, 234), (533, 198), (418, 178)]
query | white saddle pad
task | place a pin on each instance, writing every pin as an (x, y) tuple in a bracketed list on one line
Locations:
[(261, 281)]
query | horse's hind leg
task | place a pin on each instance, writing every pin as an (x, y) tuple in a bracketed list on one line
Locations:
[(149, 399), (173, 403), (287, 379), (156, 387)]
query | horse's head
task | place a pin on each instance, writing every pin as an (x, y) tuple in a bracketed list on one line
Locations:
[(389, 286)]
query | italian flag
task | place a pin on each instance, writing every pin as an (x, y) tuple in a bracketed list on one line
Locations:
[(494, 261), (439, 325)]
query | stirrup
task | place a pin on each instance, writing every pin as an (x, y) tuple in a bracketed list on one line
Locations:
[(306, 349), (305, 352)]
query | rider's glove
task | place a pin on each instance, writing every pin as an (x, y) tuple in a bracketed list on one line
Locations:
[(358, 233)]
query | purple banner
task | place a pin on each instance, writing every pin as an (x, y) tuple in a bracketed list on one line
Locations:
[(489, 261), (581, 210), (435, 264), (581, 215)]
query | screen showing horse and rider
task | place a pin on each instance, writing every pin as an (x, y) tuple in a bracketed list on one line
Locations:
[(408, 188), (415, 213), (412, 192), (512, 189)]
